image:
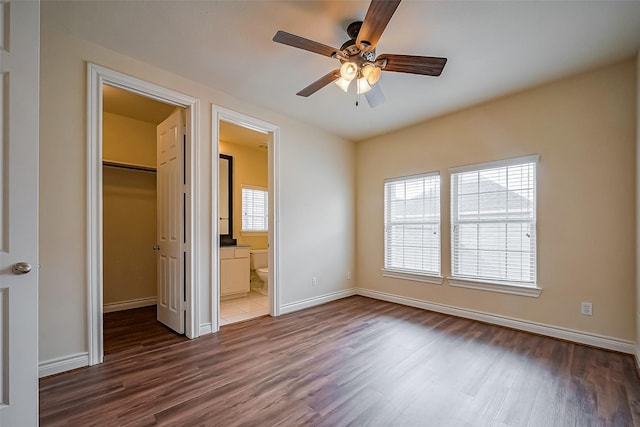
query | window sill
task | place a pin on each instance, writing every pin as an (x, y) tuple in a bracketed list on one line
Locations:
[(505, 288), (416, 277)]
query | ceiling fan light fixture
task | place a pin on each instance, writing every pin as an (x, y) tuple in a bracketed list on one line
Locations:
[(357, 56), (343, 84), (371, 73), (349, 71)]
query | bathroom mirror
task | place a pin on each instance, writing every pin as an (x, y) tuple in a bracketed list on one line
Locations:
[(225, 200)]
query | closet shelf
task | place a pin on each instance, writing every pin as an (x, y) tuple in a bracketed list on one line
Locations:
[(131, 166)]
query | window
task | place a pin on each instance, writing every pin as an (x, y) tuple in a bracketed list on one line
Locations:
[(412, 224), (493, 222), (255, 209)]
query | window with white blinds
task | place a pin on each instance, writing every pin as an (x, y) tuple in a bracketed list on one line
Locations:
[(412, 224), (493, 221), (254, 209)]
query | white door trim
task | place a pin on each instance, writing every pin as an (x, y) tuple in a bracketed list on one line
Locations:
[(220, 113), (96, 77)]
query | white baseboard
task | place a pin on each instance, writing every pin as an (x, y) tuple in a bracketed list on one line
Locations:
[(62, 364), (205, 328), (127, 305), (310, 302), (587, 338)]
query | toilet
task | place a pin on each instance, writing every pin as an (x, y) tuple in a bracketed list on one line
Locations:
[(260, 264), (263, 274)]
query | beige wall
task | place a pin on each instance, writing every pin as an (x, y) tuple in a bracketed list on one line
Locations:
[(583, 128), (250, 167), (128, 140), (129, 210), (310, 193)]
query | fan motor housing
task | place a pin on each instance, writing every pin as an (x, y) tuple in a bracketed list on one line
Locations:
[(350, 47)]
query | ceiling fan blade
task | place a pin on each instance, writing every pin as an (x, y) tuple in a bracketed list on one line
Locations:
[(375, 97), (320, 83), (427, 65), (375, 21), (302, 43)]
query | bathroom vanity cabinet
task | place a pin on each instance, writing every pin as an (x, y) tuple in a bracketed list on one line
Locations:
[(234, 271)]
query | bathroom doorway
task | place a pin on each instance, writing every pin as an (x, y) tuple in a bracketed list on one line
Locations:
[(246, 211)]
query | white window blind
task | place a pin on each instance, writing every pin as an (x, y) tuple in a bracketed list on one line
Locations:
[(412, 224), (493, 221), (254, 209)]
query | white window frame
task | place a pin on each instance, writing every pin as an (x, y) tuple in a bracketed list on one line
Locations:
[(432, 277), (266, 210), (525, 288)]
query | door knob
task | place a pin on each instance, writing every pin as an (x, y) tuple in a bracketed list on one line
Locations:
[(21, 268), (156, 248)]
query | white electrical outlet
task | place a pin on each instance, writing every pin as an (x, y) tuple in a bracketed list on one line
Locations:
[(314, 281), (586, 308), (348, 275)]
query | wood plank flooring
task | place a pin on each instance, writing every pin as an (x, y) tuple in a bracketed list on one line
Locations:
[(133, 332), (356, 362)]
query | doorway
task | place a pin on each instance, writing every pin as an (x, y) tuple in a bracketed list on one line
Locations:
[(234, 241), (135, 197), (99, 77), (243, 223)]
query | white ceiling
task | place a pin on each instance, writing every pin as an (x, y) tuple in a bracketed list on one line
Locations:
[(493, 48)]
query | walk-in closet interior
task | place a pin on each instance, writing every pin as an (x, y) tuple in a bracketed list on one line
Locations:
[(129, 199)]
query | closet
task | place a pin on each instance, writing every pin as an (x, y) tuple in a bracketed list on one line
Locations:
[(129, 213), (129, 198)]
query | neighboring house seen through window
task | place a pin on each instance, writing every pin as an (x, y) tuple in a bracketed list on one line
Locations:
[(493, 222), (412, 224), (254, 209)]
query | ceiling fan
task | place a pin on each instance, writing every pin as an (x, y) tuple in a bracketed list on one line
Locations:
[(358, 55)]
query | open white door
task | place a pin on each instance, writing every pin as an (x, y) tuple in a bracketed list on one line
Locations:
[(19, 98), (171, 213)]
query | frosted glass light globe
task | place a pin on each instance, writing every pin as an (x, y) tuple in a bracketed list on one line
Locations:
[(348, 71)]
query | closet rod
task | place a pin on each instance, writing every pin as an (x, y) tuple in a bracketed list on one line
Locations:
[(128, 166)]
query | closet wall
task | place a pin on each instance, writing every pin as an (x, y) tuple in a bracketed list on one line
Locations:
[(129, 209)]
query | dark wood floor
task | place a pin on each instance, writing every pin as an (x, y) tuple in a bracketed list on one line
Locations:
[(355, 361), (134, 332)]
